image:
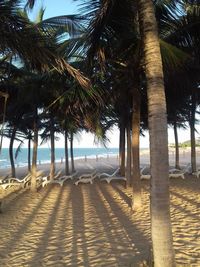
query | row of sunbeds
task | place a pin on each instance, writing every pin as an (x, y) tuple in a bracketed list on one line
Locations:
[(59, 179), (88, 177), (173, 172), (6, 182)]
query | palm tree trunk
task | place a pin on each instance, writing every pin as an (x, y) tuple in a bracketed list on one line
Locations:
[(192, 134), (34, 157), (12, 163), (128, 162), (66, 154), (52, 167), (160, 213), (72, 152), (122, 149), (177, 165), (137, 202), (29, 153)]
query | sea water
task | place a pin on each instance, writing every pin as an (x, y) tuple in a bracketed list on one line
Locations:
[(44, 155)]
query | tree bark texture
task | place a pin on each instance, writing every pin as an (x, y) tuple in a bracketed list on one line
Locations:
[(12, 162), (34, 157), (72, 153), (137, 202), (161, 231), (177, 165), (122, 149), (192, 134), (29, 154), (128, 158), (66, 154), (52, 132)]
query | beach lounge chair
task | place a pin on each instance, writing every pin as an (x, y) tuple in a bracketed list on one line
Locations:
[(87, 178), (3, 178), (8, 185), (46, 180), (58, 180), (8, 182), (143, 175), (109, 175), (116, 178), (197, 173), (176, 173), (67, 177)]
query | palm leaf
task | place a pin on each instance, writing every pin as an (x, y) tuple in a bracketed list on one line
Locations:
[(173, 57), (18, 150)]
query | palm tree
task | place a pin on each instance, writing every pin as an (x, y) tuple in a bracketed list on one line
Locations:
[(161, 226), (160, 213), (135, 150), (66, 154)]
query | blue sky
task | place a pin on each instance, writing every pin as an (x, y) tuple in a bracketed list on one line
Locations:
[(55, 8)]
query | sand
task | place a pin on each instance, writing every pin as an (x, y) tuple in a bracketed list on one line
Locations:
[(92, 225)]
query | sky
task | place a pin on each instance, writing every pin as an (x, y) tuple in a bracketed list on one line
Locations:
[(66, 7), (87, 139), (55, 8)]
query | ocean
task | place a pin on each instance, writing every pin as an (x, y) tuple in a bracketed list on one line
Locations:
[(44, 155)]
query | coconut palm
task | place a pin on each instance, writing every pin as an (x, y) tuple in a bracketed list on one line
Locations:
[(157, 112), (160, 214)]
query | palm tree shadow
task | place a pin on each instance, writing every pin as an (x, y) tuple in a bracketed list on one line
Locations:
[(131, 229), (43, 243), (78, 223), (126, 199), (16, 236)]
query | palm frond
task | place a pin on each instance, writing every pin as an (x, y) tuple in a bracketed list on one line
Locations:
[(18, 150), (62, 65), (172, 56), (40, 15), (71, 24), (30, 4)]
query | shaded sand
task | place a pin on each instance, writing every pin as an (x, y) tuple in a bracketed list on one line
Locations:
[(91, 225)]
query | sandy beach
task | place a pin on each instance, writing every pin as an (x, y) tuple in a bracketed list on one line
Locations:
[(92, 225)]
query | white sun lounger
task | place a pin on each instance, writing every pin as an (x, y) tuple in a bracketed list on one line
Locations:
[(109, 175), (8, 182), (3, 178), (176, 173), (8, 185), (116, 178), (87, 178), (58, 180), (144, 176), (24, 181), (197, 173)]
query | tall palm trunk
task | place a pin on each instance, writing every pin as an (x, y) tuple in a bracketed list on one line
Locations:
[(136, 203), (192, 133), (128, 158), (72, 152), (52, 132), (29, 152), (66, 154), (12, 163), (122, 149), (34, 157), (177, 165), (160, 213)]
